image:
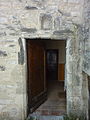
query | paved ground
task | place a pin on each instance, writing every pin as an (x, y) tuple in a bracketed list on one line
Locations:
[(47, 117), (56, 102)]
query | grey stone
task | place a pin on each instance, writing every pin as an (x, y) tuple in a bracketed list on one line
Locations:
[(19, 89), (29, 30), (14, 34), (31, 8), (5, 116), (42, 117), (77, 82), (46, 22), (2, 33), (3, 20), (2, 68), (70, 50), (20, 0), (60, 12), (58, 33), (69, 105), (21, 53), (3, 53), (11, 45), (11, 28), (86, 65), (76, 103), (57, 23), (67, 14)]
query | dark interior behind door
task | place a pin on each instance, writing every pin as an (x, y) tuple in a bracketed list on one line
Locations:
[(52, 64)]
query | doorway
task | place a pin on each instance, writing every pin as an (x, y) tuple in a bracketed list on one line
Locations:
[(52, 64), (45, 85)]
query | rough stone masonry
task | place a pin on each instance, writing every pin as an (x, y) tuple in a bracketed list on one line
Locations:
[(52, 19)]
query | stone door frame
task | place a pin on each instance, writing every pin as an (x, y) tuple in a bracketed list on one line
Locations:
[(68, 40)]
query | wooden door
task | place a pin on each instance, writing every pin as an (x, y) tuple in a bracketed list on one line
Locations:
[(61, 72), (52, 64), (37, 91)]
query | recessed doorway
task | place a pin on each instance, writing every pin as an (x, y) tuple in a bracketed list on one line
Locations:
[(51, 64), (45, 81)]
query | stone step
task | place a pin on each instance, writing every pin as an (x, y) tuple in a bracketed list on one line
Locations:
[(31, 117)]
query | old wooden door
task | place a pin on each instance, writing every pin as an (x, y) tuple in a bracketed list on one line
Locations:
[(37, 91)]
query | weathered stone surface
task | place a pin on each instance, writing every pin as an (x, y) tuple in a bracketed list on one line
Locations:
[(29, 30), (57, 19), (21, 53), (31, 8), (86, 65), (2, 68), (57, 23), (46, 22), (62, 32), (11, 45), (3, 53), (2, 33)]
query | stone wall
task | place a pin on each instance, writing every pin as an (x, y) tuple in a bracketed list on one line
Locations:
[(20, 19), (87, 37), (12, 84), (86, 62)]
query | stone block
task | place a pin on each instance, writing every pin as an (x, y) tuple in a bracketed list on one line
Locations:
[(61, 32), (73, 1), (86, 65), (69, 104), (2, 68), (3, 53), (69, 91), (3, 20), (46, 22), (31, 8), (69, 80), (29, 30), (57, 23), (2, 34), (76, 90), (77, 103)]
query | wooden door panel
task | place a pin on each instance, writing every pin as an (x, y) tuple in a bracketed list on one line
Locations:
[(37, 92), (61, 72)]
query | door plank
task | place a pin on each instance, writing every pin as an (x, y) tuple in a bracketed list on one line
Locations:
[(37, 91), (61, 69)]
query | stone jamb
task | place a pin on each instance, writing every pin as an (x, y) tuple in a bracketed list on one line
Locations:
[(67, 74)]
